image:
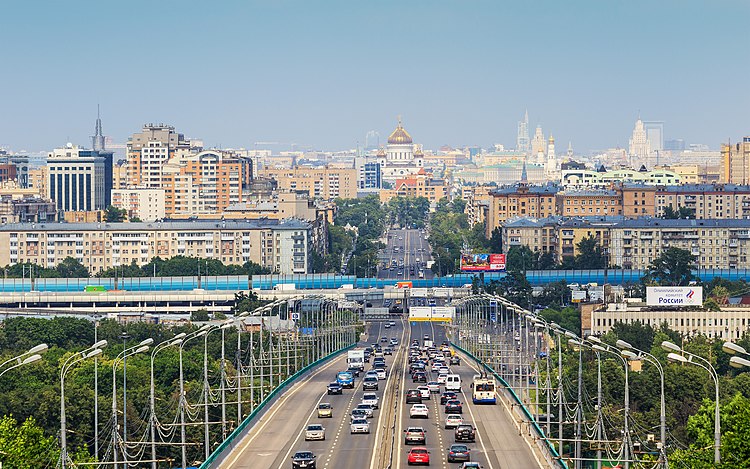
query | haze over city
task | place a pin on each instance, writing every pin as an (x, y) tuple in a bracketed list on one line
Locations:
[(322, 75)]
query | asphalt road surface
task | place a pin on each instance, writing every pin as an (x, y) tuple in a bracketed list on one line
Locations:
[(405, 256), (280, 433)]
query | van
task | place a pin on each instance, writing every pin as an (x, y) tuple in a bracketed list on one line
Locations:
[(453, 383)]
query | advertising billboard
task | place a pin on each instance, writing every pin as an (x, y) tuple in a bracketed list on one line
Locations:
[(674, 296), (482, 262)]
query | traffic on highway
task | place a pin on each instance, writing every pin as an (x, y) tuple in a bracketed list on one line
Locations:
[(406, 255)]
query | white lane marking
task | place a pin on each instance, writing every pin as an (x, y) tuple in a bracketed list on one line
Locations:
[(302, 430), (400, 431), (267, 418)]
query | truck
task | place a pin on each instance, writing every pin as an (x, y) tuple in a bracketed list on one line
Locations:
[(356, 359), (345, 379), (285, 287), (427, 344)]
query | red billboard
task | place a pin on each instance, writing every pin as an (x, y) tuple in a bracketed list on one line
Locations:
[(482, 262)]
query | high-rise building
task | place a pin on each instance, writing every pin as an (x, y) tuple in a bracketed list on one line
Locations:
[(372, 140), (148, 152), (735, 162), (522, 140), (551, 167), (639, 147), (538, 145), (655, 134), (76, 180)]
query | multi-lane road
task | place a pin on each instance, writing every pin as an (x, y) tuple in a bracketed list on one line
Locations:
[(405, 256), (273, 440)]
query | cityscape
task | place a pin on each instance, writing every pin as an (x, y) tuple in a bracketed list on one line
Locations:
[(366, 240)]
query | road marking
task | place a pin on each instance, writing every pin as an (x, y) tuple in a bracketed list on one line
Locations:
[(267, 418)]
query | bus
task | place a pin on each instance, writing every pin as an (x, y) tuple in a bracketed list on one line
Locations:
[(483, 391)]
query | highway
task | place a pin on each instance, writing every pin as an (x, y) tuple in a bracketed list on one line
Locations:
[(280, 433), (406, 253)]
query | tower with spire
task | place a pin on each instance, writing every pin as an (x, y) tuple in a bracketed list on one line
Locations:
[(551, 168), (522, 139), (97, 140)]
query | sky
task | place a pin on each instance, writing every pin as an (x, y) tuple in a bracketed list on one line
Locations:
[(322, 73)]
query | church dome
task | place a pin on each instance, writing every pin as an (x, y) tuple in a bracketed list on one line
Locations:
[(399, 136), (418, 152)]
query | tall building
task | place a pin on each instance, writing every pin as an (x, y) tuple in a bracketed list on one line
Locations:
[(735, 162), (148, 152), (639, 147), (538, 145), (551, 166), (76, 180), (655, 134), (522, 139), (97, 140)]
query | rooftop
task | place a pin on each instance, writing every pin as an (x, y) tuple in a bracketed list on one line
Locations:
[(198, 225)]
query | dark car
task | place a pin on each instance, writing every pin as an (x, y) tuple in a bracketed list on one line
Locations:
[(447, 396), (370, 384), (335, 388), (458, 453), (419, 377), (465, 432), (453, 406), (413, 396), (353, 370), (455, 360), (303, 460)]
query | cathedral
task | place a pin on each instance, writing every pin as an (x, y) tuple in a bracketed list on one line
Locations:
[(400, 157)]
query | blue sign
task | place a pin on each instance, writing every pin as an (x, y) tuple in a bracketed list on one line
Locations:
[(493, 311)]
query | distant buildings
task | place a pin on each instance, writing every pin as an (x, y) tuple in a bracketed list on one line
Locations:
[(400, 158), (735, 162), (523, 144), (324, 183), (420, 184), (77, 178), (639, 146)]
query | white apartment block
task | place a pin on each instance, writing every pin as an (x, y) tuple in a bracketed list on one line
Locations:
[(282, 247), (146, 204)]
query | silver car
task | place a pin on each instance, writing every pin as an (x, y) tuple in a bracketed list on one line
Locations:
[(360, 426), (315, 431)]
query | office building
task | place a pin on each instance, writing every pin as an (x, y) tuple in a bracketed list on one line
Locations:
[(523, 144), (76, 179), (282, 247)]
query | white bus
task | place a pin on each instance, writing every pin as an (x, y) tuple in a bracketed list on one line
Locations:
[(483, 391)]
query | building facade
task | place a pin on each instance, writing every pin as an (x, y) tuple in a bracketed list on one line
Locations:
[(589, 203), (520, 201), (735, 162), (322, 183), (282, 247), (417, 185), (144, 204), (76, 179)]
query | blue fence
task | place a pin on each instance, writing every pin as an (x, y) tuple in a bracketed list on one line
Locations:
[(323, 281)]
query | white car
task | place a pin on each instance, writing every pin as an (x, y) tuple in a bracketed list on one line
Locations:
[(453, 420), (371, 398), (315, 431), (367, 408), (381, 373), (359, 426), (419, 410), (442, 378), (424, 391), (444, 369), (371, 373), (433, 386)]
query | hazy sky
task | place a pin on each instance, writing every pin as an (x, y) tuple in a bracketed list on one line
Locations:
[(322, 73)]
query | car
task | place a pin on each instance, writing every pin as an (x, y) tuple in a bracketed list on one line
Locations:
[(372, 399), (315, 431), (384, 339), (392, 323), (358, 414), (425, 391), (415, 435), (470, 465), (335, 388), (419, 377), (418, 455), (455, 360), (354, 370), (367, 408), (454, 406), (447, 396), (453, 420), (303, 460), (381, 373), (434, 387), (464, 432), (458, 453), (370, 383), (359, 426), (387, 325), (388, 351), (444, 370), (419, 410), (442, 378), (413, 396), (426, 337), (325, 410)]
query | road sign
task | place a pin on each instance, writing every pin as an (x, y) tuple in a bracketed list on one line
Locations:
[(493, 311), (295, 316)]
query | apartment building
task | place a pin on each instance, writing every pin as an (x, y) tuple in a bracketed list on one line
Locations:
[(735, 162), (539, 234), (477, 203), (148, 151), (591, 203), (638, 200), (520, 201), (144, 204), (571, 231), (320, 183), (420, 184), (707, 201), (282, 247), (716, 244)]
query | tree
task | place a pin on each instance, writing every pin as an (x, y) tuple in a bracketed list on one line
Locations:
[(25, 446), (567, 318), (680, 213), (113, 214), (200, 315), (244, 302), (673, 267), (71, 268), (637, 334), (520, 259), (495, 243), (590, 255)]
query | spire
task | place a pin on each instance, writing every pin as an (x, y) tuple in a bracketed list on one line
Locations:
[(526, 116), (97, 141), (524, 173)]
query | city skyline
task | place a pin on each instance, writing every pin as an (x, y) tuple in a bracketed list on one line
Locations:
[(322, 77)]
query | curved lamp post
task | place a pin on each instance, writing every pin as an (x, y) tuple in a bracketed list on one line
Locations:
[(176, 340), (140, 348)]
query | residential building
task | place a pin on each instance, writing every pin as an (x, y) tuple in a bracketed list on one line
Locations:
[(539, 234), (38, 180), (575, 203), (735, 162), (282, 247), (601, 179), (322, 183), (477, 202), (76, 179), (638, 200), (144, 204), (571, 231), (26, 209), (520, 201), (148, 152), (707, 201), (420, 184)]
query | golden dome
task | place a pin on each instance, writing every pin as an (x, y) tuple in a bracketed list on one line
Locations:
[(399, 136), (418, 152)]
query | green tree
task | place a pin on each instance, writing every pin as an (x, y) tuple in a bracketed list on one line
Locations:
[(25, 446), (71, 268), (680, 213), (495, 243), (673, 267), (590, 255), (637, 334), (520, 258), (200, 315), (113, 214), (244, 302), (568, 318)]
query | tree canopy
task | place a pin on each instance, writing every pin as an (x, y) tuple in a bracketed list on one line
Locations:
[(673, 267)]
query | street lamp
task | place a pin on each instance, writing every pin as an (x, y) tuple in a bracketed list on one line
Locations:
[(30, 356), (182, 401), (737, 362), (140, 348), (206, 387), (633, 353), (74, 359), (675, 357), (167, 343)]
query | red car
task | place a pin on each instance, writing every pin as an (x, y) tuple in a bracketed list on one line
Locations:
[(419, 455)]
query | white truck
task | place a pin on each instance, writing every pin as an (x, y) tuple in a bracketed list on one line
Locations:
[(356, 359), (285, 287)]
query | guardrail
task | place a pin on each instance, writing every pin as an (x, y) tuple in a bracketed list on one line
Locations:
[(537, 429), (216, 456)]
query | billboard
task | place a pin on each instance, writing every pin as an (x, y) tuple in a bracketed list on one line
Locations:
[(482, 262), (674, 296)]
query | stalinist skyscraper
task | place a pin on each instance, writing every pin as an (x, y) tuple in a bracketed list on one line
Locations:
[(639, 147)]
